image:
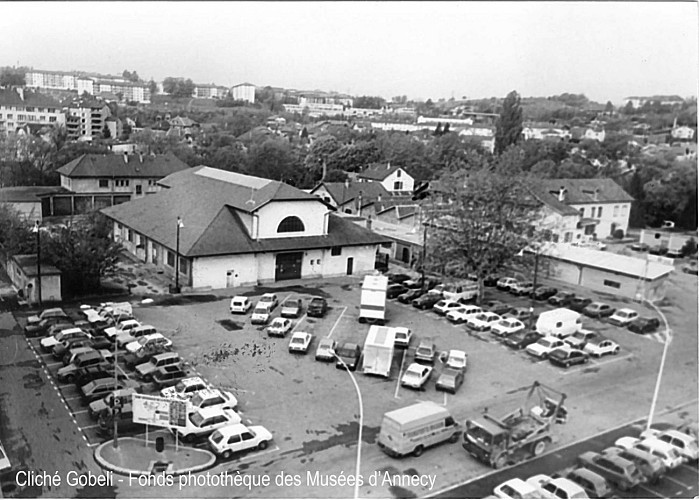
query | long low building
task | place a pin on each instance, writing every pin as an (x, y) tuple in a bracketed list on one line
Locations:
[(607, 271), (239, 230)]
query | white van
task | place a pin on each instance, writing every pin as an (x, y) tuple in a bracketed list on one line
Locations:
[(416, 427), (460, 292), (559, 323)]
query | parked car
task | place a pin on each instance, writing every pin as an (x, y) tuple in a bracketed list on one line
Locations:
[(240, 304), (544, 293), (98, 406), (40, 328), (146, 370), (523, 314), (599, 347), (522, 288), (398, 278), (483, 322), (292, 308), (455, 359), (561, 299), (650, 466), (567, 356), (99, 388), (623, 316), (616, 470), (269, 299), (122, 326), (427, 301), (598, 310), (125, 338), (395, 290), (594, 485), (491, 280), (213, 398), (300, 342), (325, 350), (506, 327), (155, 342), (48, 343), (89, 373), (89, 357), (185, 388), (430, 283), (167, 376), (444, 306), (416, 376), (425, 352), (522, 339), (690, 268), (317, 307), (463, 313), (639, 247), (201, 423), (60, 350), (349, 355), (558, 487), (542, 347), (657, 250), (579, 303), (674, 253), (410, 295), (506, 283), (403, 337), (580, 338), (516, 488), (644, 325), (450, 380), (236, 438), (279, 327), (685, 444), (54, 312), (496, 306)]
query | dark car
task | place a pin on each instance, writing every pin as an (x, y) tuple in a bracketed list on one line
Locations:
[(395, 290), (410, 295), (598, 310), (567, 357), (657, 250), (450, 380), (639, 247), (398, 277), (317, 307), (618, 471), (523, 314), (99, 388), (561, 299), (39, 329), (97, 343), (491, 280), (579, 303), (349, 353), (544, 292), (103, 370), (644, 325), (521, 340), (427, 301), (430, 283), (169, 375), (496, 306)]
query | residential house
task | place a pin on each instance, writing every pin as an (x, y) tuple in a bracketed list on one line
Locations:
[(576, 210), (352, 197), (210, 91), (238, 230), (594, 134), (20, 107), (682, 133), (27, 200), (243, 92), (86, 119), (541, 131), (664, 100), (114, 126), (393, 178)]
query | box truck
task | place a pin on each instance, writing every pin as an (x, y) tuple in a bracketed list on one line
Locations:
[(372, 305), (378, 350), (559, 323)]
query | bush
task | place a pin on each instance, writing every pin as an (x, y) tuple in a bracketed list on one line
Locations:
[(689, 248), (618, 234)]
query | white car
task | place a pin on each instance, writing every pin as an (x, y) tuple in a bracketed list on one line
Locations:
[(184, 389), (260, 315), (213, 398), (622, 317), (599, 347), (279, 327), (201, 423), (416, 376), (506, 283), (149, 342), (240, 304), (444, 306), (559, 487), (458, 360), (483, 322), (268, 299), (685, 444), (506, 327), (49, 343), (124, 326), (516, 488), (463, 314), (403, 336), (300, 342), (236, 438), (542, 347), (326, 349)]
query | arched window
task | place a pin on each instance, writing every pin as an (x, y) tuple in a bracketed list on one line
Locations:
[(291, 224)]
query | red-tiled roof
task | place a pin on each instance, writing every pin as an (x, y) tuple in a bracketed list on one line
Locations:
[(113, 165)]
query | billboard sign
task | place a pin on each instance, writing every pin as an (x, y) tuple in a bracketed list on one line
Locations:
[(158, 411)]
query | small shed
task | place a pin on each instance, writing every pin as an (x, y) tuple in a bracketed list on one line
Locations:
[(24, 273)]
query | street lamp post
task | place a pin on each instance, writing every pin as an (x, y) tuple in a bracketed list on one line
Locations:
[(666, 344), (177, 257), (531, 299), (37, 230), (361, 425)]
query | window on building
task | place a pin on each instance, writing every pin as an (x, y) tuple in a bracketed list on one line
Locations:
[(121, 183), (139, 189), (612, 284), (624, 208), (398, 172), (398, 186), (336, 251), (616, 210), (599, 212), (291, 224), (567, 237), (170, 259), (582, 212), (104, 183), (52, 119), (9, 117), (129, 235), (184, 265)]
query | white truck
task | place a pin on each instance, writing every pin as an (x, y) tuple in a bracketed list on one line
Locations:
[(372, 305), (378, 350), (559, 323)]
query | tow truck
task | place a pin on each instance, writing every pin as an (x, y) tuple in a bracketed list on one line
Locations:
[(519, 435)]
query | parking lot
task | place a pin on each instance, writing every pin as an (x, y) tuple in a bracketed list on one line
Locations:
[(311, 406)]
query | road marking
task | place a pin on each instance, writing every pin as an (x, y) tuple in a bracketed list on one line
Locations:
[(73, 398), (678, 483), (88, 427), (691, 469), (298, 323), (55, 363), (332, 330), (400, 375), (80, 412), (652, 492), (445, 398)]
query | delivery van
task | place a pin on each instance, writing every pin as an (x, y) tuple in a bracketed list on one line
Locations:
[(559, 323), (411, 429), (459, 292), (378, 350)]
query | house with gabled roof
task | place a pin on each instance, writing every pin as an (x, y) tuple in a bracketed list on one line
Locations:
[(393, 177), (352, 197), (239, 230)]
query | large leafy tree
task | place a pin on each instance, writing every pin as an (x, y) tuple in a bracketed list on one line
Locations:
[(275, 159), (15, 232), (509, 124)]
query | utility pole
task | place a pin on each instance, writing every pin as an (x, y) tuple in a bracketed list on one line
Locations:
[(37, 230), (531, 300), (177, 257)]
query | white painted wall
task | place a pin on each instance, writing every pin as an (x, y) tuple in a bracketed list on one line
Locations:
[(404, 177), (604, 228), (311, 212)]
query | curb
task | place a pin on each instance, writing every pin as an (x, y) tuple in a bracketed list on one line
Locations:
[(129, 472)]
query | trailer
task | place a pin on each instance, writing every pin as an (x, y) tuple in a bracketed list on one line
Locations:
[(378, 351), (519, 435), (372, 305)]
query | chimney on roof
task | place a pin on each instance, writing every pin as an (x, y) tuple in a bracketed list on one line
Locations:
[(369, 221), (140, 157), (562, 193), (388, 166), (126, 157), (20, 92), (596, 194)]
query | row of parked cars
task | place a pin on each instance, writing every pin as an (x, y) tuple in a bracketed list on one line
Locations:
[(628, 463), (89, 347)]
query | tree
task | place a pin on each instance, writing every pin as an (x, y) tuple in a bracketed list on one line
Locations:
[(609, 107), (106, 133), (15, 232), (319, 154), (637, 217), (131, 76), (153, 87), (673, 196), (369, 102), (509, 125), (12, 77), (274, 159), (438, 130)]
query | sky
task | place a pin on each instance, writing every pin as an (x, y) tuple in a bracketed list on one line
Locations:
[(605, 50)]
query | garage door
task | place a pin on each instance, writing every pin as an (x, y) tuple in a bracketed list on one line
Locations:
[(288, 266)]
